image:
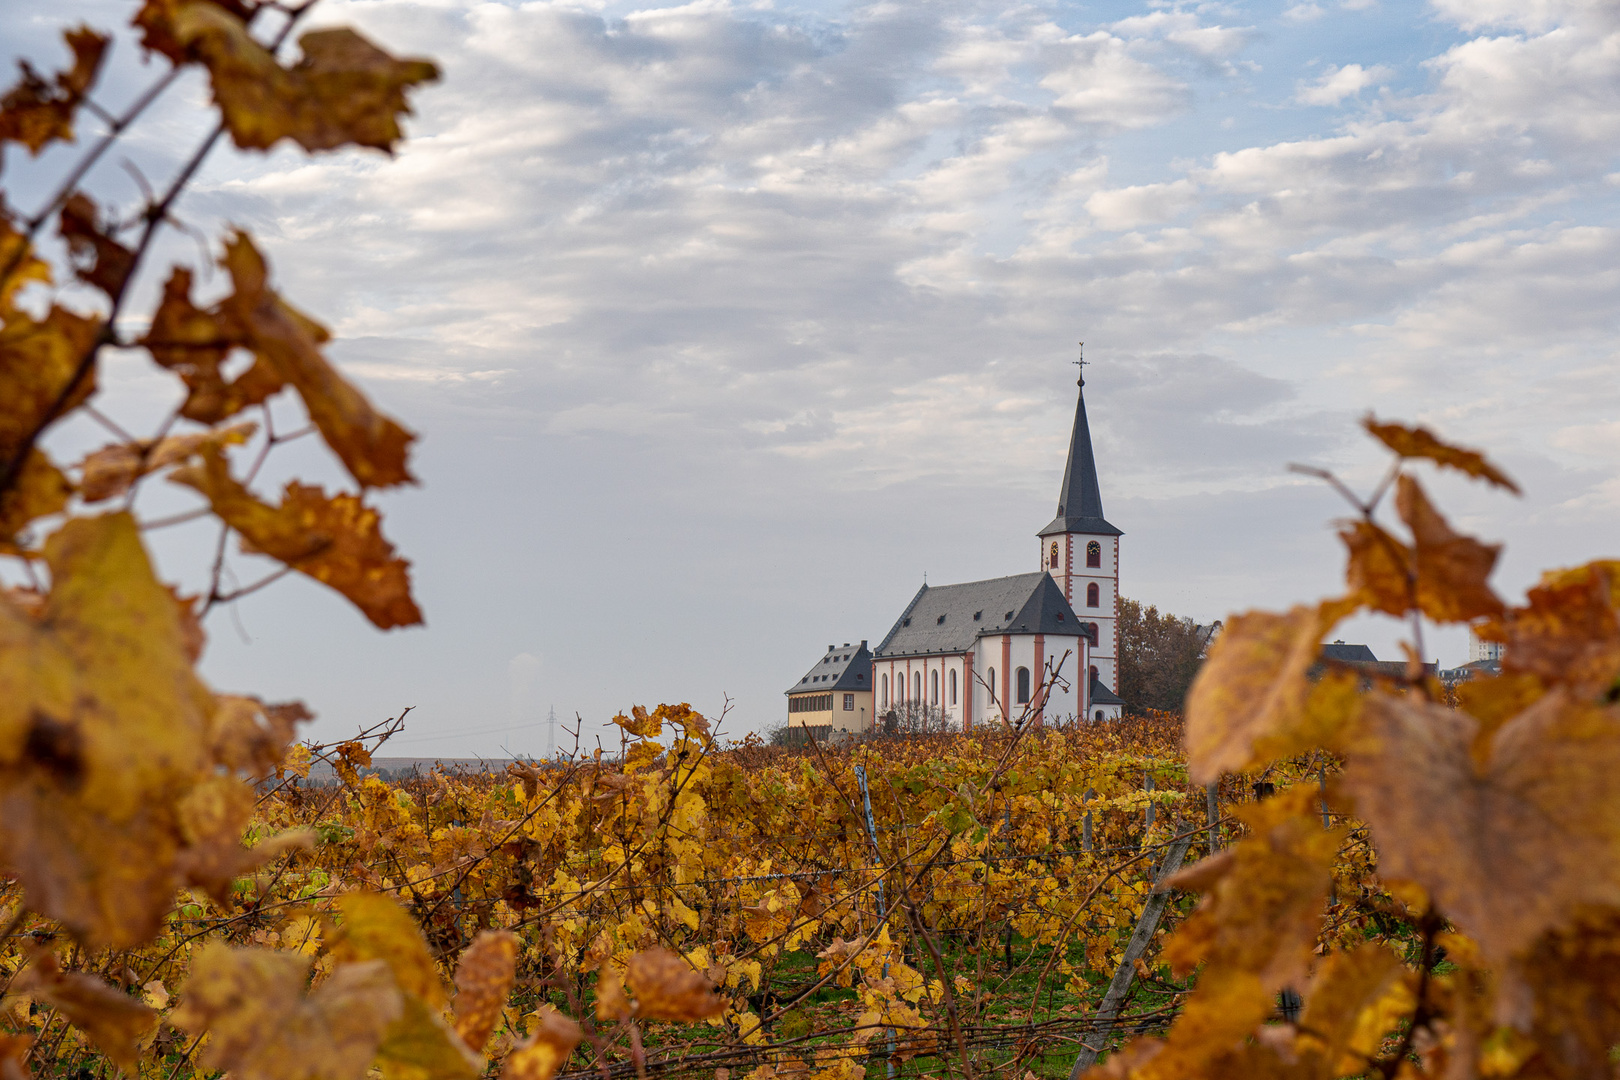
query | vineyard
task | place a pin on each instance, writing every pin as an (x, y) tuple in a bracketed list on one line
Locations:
[(885, 906)]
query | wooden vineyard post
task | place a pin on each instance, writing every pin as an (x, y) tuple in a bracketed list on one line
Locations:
[(883, 915), (1212, 812), (1120, 987)]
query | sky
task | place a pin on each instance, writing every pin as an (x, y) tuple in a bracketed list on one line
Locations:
[(723, 324)]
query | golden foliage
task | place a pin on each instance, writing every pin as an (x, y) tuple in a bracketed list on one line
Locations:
[(35, 112)]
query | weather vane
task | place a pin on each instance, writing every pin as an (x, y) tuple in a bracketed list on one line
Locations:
[(1081, 364)]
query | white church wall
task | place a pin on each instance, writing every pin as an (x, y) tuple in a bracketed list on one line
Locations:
[(1006, 655)]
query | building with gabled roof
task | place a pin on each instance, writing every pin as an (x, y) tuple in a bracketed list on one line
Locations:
[(836, 693), (1042, 645)]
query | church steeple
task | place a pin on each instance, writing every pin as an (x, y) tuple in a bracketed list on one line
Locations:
[(1080, 549), (1080, 498)]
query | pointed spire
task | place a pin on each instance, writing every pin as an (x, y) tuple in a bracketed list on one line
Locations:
[(1080, 498)]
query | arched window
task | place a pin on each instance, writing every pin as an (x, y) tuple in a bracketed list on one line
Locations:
[(1093, 595), (1093, 672), (1099, 714), (1090, 631), (991, 684), (1054, 555), (1094, 554), (916, 687), (933, 689), (885, 702), (1023, 686), (953, 686)]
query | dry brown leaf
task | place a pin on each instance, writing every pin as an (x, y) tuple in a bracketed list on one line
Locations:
[(665, 987), (345, 91), (551, 1040), (484, 978), (262, 1026), (34, 111), (336, 540), (1420, 442), (194, 343), (111, 470), (101, 732), (115, 1022), (372, 447), (14, 1056), (155, 21), (1496, 844), (1575, 976), (1451, 569), (1569, 633), (247, 736), (38, 360), (1379, 570), (98, 258), (1253, 690)]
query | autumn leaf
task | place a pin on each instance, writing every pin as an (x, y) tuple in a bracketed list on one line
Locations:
[(372, 447), (111, 470), (100, 260), (14, 1056), (194, 344), (40, 489), (115, 1022), (1577, 1000), (551, 1040), (247, 736), (344, 91), (262, 1025), (374, 927), (34, 111), (1253, 689), (1494, 843), (1420, 442), (1569, 632), (1379, 569), (664, 987), (483, 979), (336, 540), (1355, 999), (1451, 568), (101, 726), (38, 362)]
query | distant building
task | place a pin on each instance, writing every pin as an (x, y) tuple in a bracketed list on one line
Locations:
[(1362, 658), (1045, 643), (835, 694), (1483, 650)]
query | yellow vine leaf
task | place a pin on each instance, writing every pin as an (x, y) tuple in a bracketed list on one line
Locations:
[(247, 736), (483, 979), (101, 732), (1451, 568), (111, 470), (194, 343), (422, 1045), (665, 987), (337, 540), (115, 1022), (263, 1026), (38, 359), (551, 1040), (1355, 998), (35, 112), (345, 90), (1495, 843), (1379, 569), (40, 489), (1569, 632), (1420, 442), (374, 927), (1254, 687)]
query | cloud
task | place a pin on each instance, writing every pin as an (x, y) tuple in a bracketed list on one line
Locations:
[(1337, 83)]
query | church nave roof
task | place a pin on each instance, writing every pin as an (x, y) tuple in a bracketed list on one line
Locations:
[(949, 618)]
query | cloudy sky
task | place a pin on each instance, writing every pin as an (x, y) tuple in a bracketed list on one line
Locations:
[(725, 323)]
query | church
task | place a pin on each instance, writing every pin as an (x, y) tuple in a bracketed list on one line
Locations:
[(1041, 647)]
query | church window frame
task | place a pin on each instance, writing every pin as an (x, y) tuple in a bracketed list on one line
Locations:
[(952, 686), (916, 687), (1093, 595), (1023, 686), (933, 687), (1094, 555), (885, 691), (990, 684)]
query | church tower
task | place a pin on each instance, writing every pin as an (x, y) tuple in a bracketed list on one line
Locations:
[(1080, 549)]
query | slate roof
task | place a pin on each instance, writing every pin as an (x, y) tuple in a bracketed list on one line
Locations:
[(1101, 695), (1348, 654), (950, 618), (842, 667), (1080, 499)]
